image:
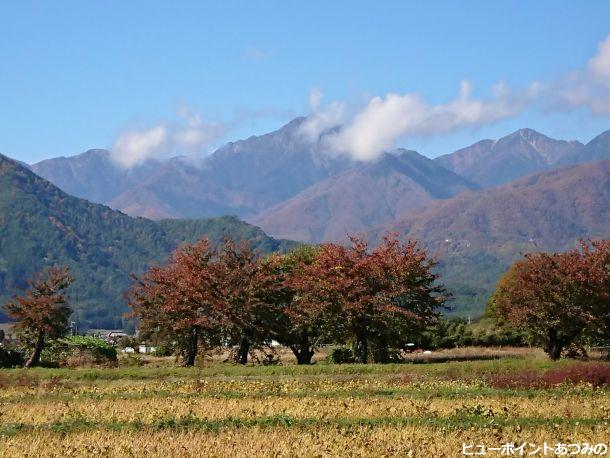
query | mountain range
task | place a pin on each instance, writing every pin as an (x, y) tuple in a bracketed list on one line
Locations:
[(494, 162), (293, 187), (241, 178), (477, 209)]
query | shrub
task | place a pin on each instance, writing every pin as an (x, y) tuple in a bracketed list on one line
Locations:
[(78, 350), (99, 348), (342, 355), (165, 349), (132, 360), (10, 358), (456, 332), (527, 379)]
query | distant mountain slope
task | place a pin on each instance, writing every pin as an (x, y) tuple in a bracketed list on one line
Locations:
[(41, 225), (241, 178), (491, 163), (477, 234), (92, 175), (363, 196), (596, 150), (261, 176)]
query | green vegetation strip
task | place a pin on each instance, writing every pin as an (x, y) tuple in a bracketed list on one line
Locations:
[(458, 369), (456, 422), (407, 392)]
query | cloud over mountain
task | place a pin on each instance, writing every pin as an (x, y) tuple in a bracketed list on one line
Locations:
[(384, 120), (587, 88), (191, 135), (365, 134)]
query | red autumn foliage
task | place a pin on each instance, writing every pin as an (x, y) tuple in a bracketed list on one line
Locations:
[(42, 312), (178, 301), (308, 297), (380, 296), (557, 297), (595, 374), (204, 297)]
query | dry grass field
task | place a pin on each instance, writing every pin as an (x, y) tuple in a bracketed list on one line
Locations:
[(425, 410)]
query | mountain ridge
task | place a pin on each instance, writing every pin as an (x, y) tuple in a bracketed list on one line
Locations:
[(361, 196), (491, 163)]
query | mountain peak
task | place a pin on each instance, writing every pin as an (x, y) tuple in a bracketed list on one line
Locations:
[(529, 134), (293, 124), (598, 148), (523, 152), (604, 137), (526, 134)]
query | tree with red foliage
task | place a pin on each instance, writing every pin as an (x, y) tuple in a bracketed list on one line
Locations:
[(300, 324), (597, 257), (310, 296), (206, 296), (247, 297), (42, 312), (380, 297), (179, 301), (555, 297)]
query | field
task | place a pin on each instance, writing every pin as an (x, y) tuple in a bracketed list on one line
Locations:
[(426, 410)]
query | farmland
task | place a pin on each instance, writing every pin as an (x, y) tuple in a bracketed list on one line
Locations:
[(158, 409)]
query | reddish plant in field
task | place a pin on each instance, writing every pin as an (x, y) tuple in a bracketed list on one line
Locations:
[(596, 374), (177, 302)]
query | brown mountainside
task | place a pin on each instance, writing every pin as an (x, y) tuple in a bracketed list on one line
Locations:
[(361, 197)]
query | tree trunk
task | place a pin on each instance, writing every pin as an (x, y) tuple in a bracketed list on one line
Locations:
[(361, 349), (242, 351), (555, 345), (35, 358), (190, 352), (381, 351), (302, 351)]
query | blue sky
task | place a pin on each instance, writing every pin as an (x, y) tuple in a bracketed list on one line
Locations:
[(76, 75)]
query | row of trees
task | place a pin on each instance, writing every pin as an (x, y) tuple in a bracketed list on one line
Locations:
[(203, 297), (378, 300), (560, 299)]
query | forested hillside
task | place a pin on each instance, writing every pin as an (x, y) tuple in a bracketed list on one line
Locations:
[(41, 225)]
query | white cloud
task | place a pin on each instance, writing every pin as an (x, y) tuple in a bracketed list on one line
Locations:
[(599, 65), (195, 135), (385, 119), (588, 88), (190, 136), (134, 147), (322, 117), (315, 99), (378, 126)]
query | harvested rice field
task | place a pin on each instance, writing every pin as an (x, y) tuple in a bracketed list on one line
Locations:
[(420, 410)]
